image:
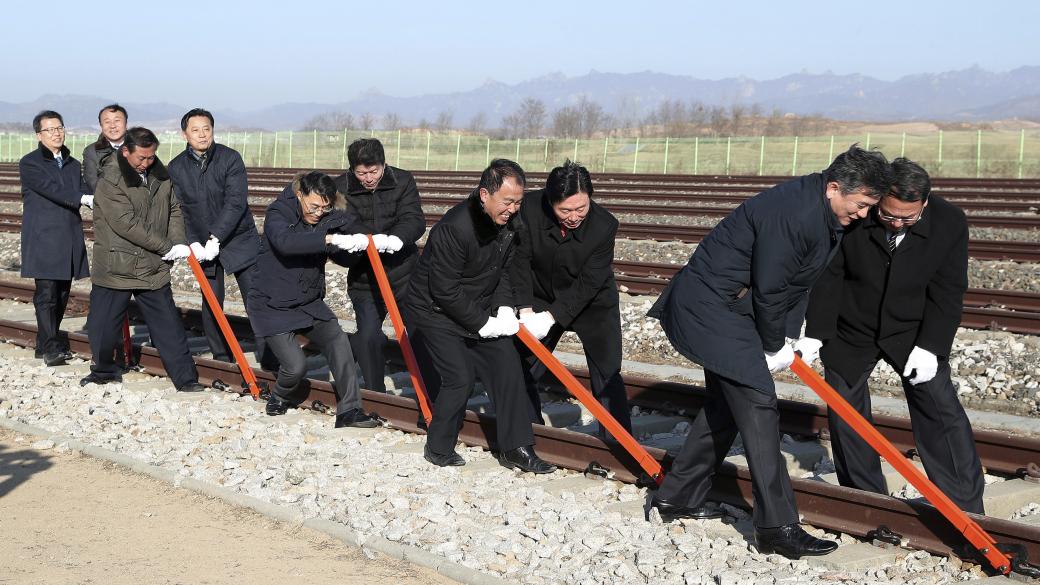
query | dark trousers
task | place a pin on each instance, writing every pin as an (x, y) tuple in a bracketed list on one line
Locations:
[(369, 340), (600, 335), (449, 364), (214, 336), (334, 345), (941, 431), (105, 331), (734, 408), (49, 300)]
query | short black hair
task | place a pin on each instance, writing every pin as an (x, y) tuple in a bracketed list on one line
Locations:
[(497, 172), (910, 182), (192, 113), (857, 169), (567, 180), (366, 151), (112, 108), (318, 183), (45, 115), (138, 136)]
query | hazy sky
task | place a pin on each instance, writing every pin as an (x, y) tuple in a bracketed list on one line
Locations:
[(246, 55)]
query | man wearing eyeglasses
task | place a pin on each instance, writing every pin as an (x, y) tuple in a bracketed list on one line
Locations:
[(213, 190), (52, 248), (386, 200), (895, 293)]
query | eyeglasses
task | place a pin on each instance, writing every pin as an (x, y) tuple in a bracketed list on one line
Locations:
[(319, 208), (52, 131), (903, 220)]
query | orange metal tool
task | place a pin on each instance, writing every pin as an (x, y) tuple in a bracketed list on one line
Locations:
[(978, 537), (648, 463), (399, 329), (128, 346), (225, 327)]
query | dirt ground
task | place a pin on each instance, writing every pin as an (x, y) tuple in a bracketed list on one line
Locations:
[(67, 518)]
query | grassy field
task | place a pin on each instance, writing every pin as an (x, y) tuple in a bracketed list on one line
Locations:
[(959, 154)]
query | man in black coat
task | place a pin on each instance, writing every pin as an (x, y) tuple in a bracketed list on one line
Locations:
[(386, 200), (729, 310), (303, 229), (112, 119), (894, 292), (564, 281), (213, 190), (52, 247), (460, 305)]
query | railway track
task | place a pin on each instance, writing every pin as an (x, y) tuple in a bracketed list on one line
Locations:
[(823, 505)]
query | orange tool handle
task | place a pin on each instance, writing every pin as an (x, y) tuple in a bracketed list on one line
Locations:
[(399, 329), (128, 346), (225, 327), (648, 463), (978, 537)]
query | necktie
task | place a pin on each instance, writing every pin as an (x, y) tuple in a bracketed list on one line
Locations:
[(892, 240), (58, 160)]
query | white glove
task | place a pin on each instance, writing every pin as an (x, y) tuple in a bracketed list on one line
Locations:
[(490, 329), (199, 250), (350, 242), (924, 362), (393, 244), (212, 248), (779, 360), (87, 200), (380, 241), (177, 252), (809, 348), (538, 324), (507, 321)]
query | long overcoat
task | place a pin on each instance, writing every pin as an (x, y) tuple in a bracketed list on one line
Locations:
[(52, 245)]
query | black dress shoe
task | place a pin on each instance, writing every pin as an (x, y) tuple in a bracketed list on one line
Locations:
[(95, 378), (356, 418), (54, 359), (192, 387), (525, 459), (671, 511), (276, 406), (792, 542), (453, 459)]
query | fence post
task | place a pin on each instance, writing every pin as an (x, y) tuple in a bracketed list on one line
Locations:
[(729, 143), (1021, 150), (902, 147), (940, 149), (635, 158), (830, 154), (428, 138), (343, 153), (696, 152), (606, 140), (978, 155), (275, 147), (794, 157), (487, 153), (290, 148), (458, 151), (314, 151), (761, 155), (398, 148), (664, 170), (260, 150), (575, 157), (517, 160), (868, 141), (545, 158), (169, 152)]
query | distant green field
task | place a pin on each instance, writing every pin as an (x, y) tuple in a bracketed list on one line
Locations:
[(951, 154)]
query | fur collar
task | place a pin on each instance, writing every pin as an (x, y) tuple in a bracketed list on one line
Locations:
[(484, 227), (48, 155), (157, 171)]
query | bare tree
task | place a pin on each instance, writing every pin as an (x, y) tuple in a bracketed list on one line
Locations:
[(478, 123), (532, 117), (511, 125), (580, 120), (566, 122), (330, 121), (444, 121), (391, 121), (717, 120), (367, 121), (737, 115)]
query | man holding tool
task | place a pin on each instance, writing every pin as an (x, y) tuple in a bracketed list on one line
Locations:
[(895, 292), (729, 309)]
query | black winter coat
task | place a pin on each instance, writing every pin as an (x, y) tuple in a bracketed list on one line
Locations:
[(52, 245), (870, 298), (289, 286), (394, 209), (215, 200), (564, 274), (462, 276), (95, 155), (745, 286)]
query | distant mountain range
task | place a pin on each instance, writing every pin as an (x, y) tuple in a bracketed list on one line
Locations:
[(969, 95)]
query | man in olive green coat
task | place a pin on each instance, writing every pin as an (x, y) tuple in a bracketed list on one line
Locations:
[(138, 234)]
